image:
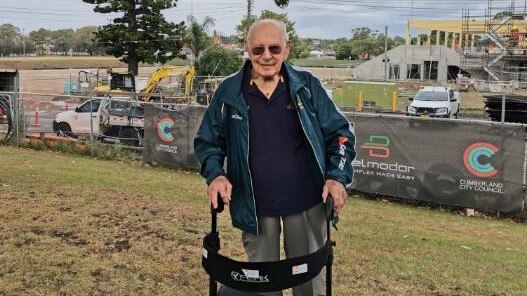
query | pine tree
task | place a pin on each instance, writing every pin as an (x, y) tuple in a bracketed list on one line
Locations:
[(141, 34)]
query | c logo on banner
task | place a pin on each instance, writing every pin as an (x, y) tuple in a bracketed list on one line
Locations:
[(476, 159), (378, 146), (163, 129)]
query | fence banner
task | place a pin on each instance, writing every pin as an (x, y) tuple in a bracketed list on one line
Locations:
[(169, 135), (454, 162)]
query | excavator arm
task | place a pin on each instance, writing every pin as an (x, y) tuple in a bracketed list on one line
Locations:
[(163, 72)]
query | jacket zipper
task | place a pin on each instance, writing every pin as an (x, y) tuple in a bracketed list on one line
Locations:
[(309, 140), (250, 176)]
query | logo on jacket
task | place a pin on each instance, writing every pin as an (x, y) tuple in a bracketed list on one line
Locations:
[(236, 116), (163, 129), (342, 152), (377, 146), (477, 159)]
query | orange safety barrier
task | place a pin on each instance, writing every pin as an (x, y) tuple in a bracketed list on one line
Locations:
[(36, 121)]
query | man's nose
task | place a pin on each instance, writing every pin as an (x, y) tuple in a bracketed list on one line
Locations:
[(267, 53)]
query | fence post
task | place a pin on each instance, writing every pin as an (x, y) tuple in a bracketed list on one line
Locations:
[(360, 102), (36, 121), (503, 100), (394, 102), (92, 143)]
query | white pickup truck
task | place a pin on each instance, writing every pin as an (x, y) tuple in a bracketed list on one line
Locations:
[(106, 119), (435, 101)]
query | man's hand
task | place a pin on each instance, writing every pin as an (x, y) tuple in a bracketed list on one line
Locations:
[(337, 191), (220, 185)]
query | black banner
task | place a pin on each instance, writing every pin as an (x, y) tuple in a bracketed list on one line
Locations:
[(169, 135), (476, 165), (452, 162)]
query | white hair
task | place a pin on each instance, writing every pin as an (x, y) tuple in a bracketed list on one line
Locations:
[(278, 24)]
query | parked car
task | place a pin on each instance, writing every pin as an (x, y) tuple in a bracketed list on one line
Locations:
[(435, 101), (105, 119)]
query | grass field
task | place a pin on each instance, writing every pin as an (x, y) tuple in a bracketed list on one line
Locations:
[(74, 225)]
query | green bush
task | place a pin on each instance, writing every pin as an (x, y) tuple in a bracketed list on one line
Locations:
[(218, 61)]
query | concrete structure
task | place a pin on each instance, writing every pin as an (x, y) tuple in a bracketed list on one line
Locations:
[(490, 48), (417, 62), (442, 32)]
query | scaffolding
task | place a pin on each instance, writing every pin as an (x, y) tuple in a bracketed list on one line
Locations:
[(497, 50)]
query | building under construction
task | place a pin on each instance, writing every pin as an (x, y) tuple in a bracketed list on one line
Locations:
[(494, 47)]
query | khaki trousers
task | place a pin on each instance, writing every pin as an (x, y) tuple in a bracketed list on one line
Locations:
[(304, 233)]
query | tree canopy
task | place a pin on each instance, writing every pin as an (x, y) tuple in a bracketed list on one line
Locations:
[(299, 49), (9, 39), (364, 44), (197, 38), (141, 33), (218, 61)]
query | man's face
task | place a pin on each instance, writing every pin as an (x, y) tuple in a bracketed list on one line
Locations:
[(267, 50)]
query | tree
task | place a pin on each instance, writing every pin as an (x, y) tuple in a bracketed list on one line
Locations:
[(9, 39), (42, 40), (197, 38), (366, 48), (298, 50), (281, 3), (219, 61), (362, 33), (62, 40), (83, 41), (345, 52), (141, 34)]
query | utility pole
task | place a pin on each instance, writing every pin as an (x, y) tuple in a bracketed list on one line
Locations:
[(23, 42), (385, 53), (249, 9)]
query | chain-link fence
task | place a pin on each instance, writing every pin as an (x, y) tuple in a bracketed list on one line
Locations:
[(117, 118), (97, 126)]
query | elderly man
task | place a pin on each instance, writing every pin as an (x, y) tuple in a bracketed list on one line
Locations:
[(287, 148)]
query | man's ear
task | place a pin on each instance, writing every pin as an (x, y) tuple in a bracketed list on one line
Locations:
[(287, 49), (246, 50)]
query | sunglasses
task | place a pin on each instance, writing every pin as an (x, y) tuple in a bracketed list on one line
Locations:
[(273, 49)]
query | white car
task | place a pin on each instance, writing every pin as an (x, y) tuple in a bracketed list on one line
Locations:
[(435, 101), (105, 119)]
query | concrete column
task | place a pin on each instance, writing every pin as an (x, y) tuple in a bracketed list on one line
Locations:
[(408, 37), (419, 39), (429, 38), (454, 40), (472, 43), (447, 37), (438, 37)]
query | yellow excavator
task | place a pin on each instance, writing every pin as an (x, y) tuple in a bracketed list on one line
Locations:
[(173, 84), (184, 80)]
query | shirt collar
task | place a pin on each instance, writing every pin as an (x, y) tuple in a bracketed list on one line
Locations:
[(281, 87)]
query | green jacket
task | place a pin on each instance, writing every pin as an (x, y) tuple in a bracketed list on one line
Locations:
[(224, 133)]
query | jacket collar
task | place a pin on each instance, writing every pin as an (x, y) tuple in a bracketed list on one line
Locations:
[(234, 85)]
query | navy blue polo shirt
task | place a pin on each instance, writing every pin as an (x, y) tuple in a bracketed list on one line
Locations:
[(278, 153)]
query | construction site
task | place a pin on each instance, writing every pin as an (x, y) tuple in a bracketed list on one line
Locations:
[(482, 55), (495, 48)]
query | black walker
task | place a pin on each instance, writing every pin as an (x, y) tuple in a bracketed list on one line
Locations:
[(246, 278)]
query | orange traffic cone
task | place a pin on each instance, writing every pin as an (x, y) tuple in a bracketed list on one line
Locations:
[(36, 122), (66, 107)]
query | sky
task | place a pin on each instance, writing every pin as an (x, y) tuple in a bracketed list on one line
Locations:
[(313, 19)]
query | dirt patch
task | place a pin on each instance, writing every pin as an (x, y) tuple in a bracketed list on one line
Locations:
[(114, 244)]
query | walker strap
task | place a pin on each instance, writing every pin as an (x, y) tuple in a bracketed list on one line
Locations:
[(264, 276)]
